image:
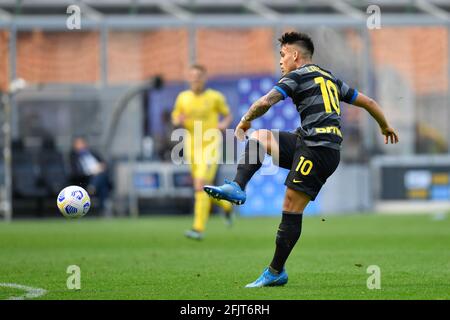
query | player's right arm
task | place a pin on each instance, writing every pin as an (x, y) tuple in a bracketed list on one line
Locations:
[(257, 109), (178, 116), (284, 88), (375, 111)]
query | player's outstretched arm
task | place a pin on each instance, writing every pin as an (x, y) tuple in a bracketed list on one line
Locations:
[(375, 111), (226, 121), (257, 109)]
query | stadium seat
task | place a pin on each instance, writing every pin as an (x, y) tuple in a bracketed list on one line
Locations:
[(26, 174), (53, 170)]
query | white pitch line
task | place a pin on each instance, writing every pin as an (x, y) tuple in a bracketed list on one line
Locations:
[(31, 292)]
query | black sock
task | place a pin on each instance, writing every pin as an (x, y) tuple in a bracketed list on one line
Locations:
[(288, 233), (250, 162)]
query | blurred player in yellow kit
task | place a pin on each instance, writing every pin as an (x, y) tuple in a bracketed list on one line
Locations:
[(198, 110)]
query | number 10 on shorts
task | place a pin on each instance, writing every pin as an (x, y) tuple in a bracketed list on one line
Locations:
[(304, 166)]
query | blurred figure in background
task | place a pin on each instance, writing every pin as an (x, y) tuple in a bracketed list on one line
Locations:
[(194, 108), (429, 140), (163, 141), (89, 170)]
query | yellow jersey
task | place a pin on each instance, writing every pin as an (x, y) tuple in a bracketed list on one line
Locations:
[(202, 112), (205, 107), (201, 144)]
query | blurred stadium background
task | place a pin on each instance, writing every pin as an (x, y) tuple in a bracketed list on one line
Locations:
[(115, 80)]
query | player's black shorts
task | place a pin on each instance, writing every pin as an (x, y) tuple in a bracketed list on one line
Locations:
[(309, 166)]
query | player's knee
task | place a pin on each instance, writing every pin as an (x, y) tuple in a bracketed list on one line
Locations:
[(295, 201), (259, 135), (288, 202), (255, 134), (263, 136)]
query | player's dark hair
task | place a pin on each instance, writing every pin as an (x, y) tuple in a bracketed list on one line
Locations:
[(298, 38), (199, 67)]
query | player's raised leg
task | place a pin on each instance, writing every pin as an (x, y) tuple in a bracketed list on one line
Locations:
[(260, 142), (288, 234)]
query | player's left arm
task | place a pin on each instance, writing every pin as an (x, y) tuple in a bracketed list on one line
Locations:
[(223, 109), (225, 122), (257, 109), (376, 112), (177, 115)]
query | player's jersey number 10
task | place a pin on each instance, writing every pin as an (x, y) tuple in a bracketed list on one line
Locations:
[(329, 94)]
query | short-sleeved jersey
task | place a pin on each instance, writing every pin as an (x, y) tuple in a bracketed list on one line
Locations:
[(205, 107), (317, 93), (201, 111)]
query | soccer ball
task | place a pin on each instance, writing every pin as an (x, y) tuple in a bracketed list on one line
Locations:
[(73, 202)]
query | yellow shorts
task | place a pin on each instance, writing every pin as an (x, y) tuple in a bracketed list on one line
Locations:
[(204, 162), (204, 171)]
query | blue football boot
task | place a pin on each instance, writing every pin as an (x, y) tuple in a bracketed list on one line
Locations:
[(229, 191), (268, 279)]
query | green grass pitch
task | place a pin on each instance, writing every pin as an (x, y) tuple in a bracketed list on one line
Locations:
[(149, 258)]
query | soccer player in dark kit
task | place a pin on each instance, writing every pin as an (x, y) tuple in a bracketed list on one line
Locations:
[(311, 153)]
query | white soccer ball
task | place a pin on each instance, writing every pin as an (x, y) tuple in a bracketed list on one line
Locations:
[(73, 202)]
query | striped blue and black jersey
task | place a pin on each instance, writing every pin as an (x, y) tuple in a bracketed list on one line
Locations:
[(317, 93)]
